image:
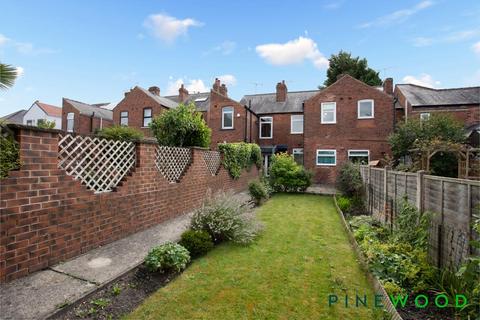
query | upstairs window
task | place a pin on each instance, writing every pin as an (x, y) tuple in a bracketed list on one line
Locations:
[(227, 118), (124, 118), (266, 127), (329, 112), (359, 156), (424, 116), (326, 157), (365, 109), (147, 116), (296, 124), (70, 121)]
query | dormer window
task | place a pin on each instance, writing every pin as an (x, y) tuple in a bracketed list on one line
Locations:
[(365, 109)]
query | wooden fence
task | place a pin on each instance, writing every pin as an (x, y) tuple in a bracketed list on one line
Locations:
[(455, 204)]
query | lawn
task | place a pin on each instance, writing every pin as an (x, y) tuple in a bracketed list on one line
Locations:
[(301, 258)]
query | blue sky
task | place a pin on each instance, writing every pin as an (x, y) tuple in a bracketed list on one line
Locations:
[(93, 51)]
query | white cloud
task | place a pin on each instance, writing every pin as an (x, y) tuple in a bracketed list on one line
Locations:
[(3, 39), (332, 5), (451, 37), (476, 47), (398, 16), (291, 52), (20, 71), (228, 79), (25, 48), (167, 28), (424, 80), (193, 85)]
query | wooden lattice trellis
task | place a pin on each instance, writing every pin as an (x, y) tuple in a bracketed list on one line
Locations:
[(172, 162), (98, 163), (212, 161)]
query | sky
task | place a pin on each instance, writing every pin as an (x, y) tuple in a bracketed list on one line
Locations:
[(94, 51)]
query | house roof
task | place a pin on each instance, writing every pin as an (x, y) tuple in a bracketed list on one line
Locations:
[(52, 111), (164, 101), (15, 117), (265, 103), (419, 96), (90, 109), (201, 100)]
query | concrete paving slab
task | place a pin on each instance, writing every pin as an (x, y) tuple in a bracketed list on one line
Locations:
[(37, 296), (106, 263)]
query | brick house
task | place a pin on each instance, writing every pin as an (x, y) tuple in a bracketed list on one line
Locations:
[(413, 101), (83, 118), (39, 112)]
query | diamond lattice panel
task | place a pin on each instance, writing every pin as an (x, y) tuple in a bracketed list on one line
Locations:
[(212, 161), (172, 162)]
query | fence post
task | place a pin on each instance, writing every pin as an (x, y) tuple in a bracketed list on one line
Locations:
[(420, 191)]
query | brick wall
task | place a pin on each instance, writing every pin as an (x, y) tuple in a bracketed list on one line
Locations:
[(47, 217)]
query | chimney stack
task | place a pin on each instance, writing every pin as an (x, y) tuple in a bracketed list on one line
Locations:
[(182, 93), (223, 90), (388, 86), (216, 85), (154, 90), (281, 91)]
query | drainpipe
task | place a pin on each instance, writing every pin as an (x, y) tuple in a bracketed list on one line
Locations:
[(395, 100), (246, 120), (91, 122)]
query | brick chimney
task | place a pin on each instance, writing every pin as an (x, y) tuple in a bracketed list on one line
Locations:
[(388, 86), (182, 93), (216, 85), (154, 90), (223, 90), (281, 91)]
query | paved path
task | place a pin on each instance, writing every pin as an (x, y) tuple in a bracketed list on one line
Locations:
[(38, 295), (321, 189)]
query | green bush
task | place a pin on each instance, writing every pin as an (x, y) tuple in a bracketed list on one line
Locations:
[(167, 257), (411, 226), (9, 155), (197, 242), (224, 217), (344, 204), (121, 133), (349, 180), (285, 175), (258, 191), (239, 156), (45, 124), (182, 126)]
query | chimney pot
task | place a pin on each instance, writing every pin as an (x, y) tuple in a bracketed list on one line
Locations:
[(216, 85), (223, 90), (182, 93), (281, 91), (388, 86), (154, 90)]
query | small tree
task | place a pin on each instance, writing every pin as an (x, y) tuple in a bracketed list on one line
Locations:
[(46, 124), (285, 175), (344, 63), (182, 126)]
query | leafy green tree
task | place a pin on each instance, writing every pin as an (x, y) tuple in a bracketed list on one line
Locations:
[(46, 124), (121, 133), (8, 74), (344, 63), (182, 126)]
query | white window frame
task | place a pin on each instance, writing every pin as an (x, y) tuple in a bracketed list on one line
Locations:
[(334, 112), (326, 164), (232, 112), (71, 117), (30, 122), (122, 117), (427, 114), (292, 120), (260, 128), (150, 117), (355, 150), (373, 109)]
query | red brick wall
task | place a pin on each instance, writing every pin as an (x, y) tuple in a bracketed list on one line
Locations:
[(47, 217), (281, 132), (83, 124), (135, 101), (349, 132)]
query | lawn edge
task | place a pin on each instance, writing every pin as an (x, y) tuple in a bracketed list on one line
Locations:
[(363, 263)]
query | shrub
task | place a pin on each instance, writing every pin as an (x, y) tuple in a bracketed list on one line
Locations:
[(239, 156), (9, 155), (344, 204), (286, 175), (349, 180), (182, 126), (410, 226), (225, 218), (167, 257), (121, 133), (258, 191), (197, 242), (45, 124)]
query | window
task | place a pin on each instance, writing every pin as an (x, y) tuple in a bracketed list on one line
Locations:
[(266, 127), (298, 155), (424, 116), (359, 156), (296, 124), (227, 118), (365, 109), (124, 118), (326, 157), (329, 112), (147, 116), (29, 122), (70, 121)]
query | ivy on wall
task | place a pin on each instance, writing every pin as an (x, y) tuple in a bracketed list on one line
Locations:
[(9, 157), (240, 155)]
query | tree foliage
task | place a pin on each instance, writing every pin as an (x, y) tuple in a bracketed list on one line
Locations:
[(344, 63), (9, 155), (46, 124), (182, 126), (285, 175), (121, 133), (8, 74)]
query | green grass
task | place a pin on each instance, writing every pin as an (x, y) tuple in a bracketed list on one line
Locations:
[(302, 256)]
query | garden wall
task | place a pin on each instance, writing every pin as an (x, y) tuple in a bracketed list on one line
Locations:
[(48, 216), (455, 204)]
